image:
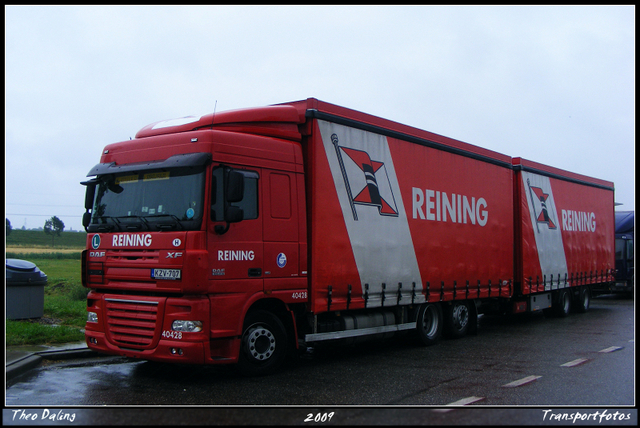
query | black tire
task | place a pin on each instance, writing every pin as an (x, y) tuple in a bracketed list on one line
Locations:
[(457, 319), (584, 299), (562, 303), (264, 344), (429, 323)]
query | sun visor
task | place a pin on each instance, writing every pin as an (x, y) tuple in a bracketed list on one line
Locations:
[(176, 161)]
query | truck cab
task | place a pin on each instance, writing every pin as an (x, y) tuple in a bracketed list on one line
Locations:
[(193, 227), (625, 280)]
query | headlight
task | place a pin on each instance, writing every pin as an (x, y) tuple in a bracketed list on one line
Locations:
[(92, 317), (186, 326)]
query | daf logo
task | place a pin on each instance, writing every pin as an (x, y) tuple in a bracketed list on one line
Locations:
[(173, 255)]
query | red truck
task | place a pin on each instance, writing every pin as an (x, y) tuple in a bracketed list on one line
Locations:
[(239, 236)]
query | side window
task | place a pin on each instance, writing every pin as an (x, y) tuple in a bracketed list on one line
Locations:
[(249, 202)]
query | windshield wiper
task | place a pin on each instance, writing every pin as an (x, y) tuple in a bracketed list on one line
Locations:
[(105, 227), (122, 224), (167, 226), (132, 226)]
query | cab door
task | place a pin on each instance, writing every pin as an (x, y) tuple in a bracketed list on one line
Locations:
[(235, 249), (281, 231)]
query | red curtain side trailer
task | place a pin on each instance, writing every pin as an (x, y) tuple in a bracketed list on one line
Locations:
[(239, 236), (565, 235)]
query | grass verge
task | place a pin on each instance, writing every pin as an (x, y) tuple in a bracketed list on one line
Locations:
[(64, 313), (27, 333)]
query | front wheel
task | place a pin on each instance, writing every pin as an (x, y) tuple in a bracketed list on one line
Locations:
[(264, 344)]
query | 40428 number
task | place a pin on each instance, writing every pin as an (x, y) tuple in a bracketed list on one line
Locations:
[(168, 334)]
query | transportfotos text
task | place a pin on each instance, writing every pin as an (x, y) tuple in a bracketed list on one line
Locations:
[(597, 416)]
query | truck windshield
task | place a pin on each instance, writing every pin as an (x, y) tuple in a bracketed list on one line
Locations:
[(624, 249), (170, 199)]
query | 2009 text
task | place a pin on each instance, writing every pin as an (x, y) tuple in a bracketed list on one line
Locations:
[(319, 417)]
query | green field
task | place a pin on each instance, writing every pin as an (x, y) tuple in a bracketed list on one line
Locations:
[(39, 239)]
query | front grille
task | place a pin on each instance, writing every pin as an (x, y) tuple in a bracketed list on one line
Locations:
[(132, 323), (150, 256)]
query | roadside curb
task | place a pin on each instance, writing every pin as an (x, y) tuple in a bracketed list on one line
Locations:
[(28, 362), (16, 368)]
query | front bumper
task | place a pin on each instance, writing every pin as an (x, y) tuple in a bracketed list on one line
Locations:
[(171, 351)]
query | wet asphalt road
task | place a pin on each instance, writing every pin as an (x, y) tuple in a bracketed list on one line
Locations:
[(536, 361)]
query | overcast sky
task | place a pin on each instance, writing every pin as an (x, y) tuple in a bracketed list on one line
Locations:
[(555, 85)]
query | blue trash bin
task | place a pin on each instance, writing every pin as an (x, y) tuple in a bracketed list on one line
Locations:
[(25, 290)]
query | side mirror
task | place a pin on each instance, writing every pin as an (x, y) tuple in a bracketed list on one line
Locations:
[(86, 219), (89, 196), (233, 214), (90, 193), (235, 186), (233, 192)]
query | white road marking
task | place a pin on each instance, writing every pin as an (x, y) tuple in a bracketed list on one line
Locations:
[(521, 382), (462, 402), (610, 349), (574, 362)]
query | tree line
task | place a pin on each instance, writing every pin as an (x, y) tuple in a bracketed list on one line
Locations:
[(53, 226)]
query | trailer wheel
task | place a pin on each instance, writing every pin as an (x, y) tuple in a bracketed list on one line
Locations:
[(584, 299), (562, 303), (264, 344), (457, 319), (429, 323)]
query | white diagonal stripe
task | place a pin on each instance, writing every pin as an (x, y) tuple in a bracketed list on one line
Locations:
[(521, 382), (610, 349), (574, 362)]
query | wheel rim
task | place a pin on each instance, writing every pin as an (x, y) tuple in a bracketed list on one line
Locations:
[(460, 316), (260, 343), (586, 299), (430, 321), (566, 302)]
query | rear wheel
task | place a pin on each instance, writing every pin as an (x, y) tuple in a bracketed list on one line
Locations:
[(429, 323), (584, 299), (264, 344), (457, 319), (562, 304)]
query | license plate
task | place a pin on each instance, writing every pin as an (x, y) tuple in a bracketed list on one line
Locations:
[(166, 273)]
